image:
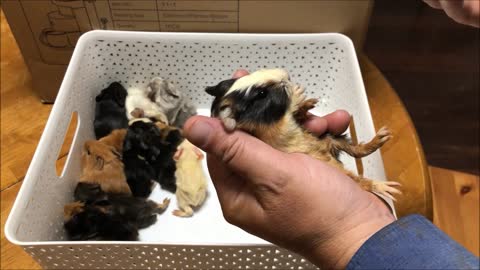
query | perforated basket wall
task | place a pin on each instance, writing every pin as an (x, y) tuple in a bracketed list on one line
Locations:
[(325, 63)]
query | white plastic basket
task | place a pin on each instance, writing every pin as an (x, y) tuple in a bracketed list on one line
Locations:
[(325, 63)]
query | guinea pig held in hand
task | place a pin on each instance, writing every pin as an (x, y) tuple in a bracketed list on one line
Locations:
[(110, 110), (269, 106), (261, 98)]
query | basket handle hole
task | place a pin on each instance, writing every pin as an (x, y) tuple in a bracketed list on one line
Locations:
[(66, 146)]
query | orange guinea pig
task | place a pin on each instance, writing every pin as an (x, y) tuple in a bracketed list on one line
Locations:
[(102, 163)]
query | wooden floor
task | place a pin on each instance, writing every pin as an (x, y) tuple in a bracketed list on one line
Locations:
[(23, 118), (434, 64)]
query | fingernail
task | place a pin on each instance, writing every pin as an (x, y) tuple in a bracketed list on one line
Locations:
[(199, 132)]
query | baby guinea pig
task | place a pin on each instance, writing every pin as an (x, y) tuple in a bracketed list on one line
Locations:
[(138, 152), (260, 99), (115, 139), (108, 216), (174, 103), (269, 106), (110, 110), (94, 222), (171, 137), (137, 98), (148, 155), (101, 163), (191, 180)]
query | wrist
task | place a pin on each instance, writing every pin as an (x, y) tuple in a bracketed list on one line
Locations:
[(349, 235)]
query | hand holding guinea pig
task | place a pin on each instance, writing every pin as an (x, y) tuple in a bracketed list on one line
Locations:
[(291, 200)]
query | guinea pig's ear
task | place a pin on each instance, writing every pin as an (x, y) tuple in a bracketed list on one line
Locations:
[(116, 152), (127, 144), (86, 148), (174, 137), (120, 97), (102, 201), (99, 162), (151, 94), (221, 88), (178, 154), (100, 96)]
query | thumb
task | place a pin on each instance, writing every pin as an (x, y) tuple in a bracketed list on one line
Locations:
[(240, 152)]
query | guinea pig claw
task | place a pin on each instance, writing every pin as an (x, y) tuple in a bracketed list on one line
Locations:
[(164, 204), (198, 153)]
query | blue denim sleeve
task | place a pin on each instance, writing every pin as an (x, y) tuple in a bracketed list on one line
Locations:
[(412, 242)]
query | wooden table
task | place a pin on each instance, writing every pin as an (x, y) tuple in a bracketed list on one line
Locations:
[(24, 117), (403, 155)]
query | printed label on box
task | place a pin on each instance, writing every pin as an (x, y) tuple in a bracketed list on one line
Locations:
[(47, 30)]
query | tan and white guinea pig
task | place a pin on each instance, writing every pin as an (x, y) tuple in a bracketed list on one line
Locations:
[(269, 106)]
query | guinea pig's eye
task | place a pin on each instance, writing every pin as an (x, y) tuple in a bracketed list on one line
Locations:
[(262, 93)]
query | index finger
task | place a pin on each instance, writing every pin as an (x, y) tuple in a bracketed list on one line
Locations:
[(334, 123)]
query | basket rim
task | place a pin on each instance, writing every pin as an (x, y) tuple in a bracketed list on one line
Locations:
[(110, 34)]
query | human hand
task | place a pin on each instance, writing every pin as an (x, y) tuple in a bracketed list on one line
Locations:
[(462, 11), (291, 200)]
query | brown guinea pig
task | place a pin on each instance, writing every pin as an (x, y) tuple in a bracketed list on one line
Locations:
[(102, 164)]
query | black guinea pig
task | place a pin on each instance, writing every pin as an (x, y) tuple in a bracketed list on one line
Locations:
[(148, 155), (108, 216), (94, 222), (110, 110), (171, 137)]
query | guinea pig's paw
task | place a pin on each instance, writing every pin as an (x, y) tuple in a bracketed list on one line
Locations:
[(301, 114), (227, 120), (299, 93), (137, 113), (386, 188), (309, 104), (164, 204), (229, 124), (185, 212), (383, 135)]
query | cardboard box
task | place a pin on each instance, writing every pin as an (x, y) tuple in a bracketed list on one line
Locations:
[(47, 30)]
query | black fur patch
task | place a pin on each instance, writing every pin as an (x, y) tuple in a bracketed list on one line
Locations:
[(136, 155), (164, 162), (108, 216), (146, 157), (221, 88), (218, 91), (263, 104), (110, 110), (86, 192)]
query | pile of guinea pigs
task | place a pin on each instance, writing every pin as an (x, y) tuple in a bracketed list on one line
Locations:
[(138, 142)]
